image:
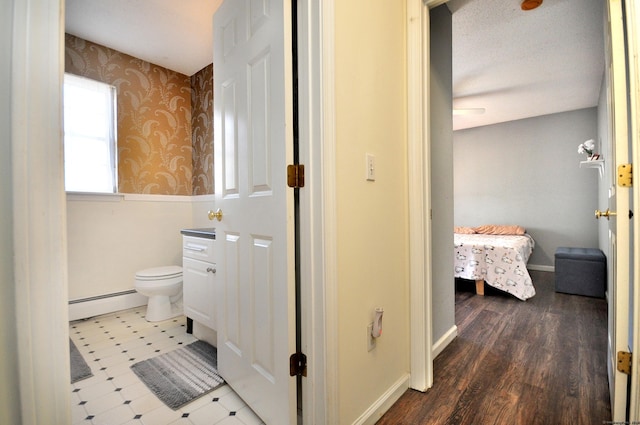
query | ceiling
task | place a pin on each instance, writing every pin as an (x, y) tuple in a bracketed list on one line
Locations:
[(518, 64), (511, 63), (175, 34)]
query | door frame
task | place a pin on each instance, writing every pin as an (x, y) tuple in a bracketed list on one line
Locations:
[(318, 225), (620, 238), (419, 187), (633, 40), (626, 323), (39, 242), (418, 59)]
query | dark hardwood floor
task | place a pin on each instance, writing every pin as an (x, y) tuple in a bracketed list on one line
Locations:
[(540, 361)]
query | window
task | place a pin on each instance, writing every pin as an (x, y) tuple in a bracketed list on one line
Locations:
[(89, 135)]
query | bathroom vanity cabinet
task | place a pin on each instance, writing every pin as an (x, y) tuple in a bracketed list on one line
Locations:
[(199, 276)]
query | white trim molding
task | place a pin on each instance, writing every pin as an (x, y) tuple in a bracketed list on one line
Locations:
[(39, 211), (95, 197), (317, 228), (541, 268), (145, 197), (633, 34), (444, 341), (330, 227), (203, 198), (419, 194), (135, 197)]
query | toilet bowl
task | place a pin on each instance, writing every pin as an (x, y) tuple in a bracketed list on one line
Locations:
[(163, 286)]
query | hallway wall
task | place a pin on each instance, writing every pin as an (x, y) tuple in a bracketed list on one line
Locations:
[(442, 290), (372, 226)]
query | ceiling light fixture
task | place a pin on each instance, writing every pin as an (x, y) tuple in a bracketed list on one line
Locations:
[(530, 4)]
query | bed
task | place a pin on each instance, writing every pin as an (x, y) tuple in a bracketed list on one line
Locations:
[(497, 260)]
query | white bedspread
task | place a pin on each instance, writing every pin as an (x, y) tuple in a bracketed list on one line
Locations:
[(501, 261)]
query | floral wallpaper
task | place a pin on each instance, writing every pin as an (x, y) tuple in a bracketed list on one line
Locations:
[(156, 151), (202, 130)]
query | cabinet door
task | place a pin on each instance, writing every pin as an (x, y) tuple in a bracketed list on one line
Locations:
[(198, 291)]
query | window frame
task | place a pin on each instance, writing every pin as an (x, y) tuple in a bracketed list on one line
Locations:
[(111, 130)]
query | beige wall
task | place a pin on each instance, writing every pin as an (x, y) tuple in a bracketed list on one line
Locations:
[(372, 221)]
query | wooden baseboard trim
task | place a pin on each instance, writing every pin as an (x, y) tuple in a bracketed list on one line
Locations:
[(444, 340), (541, 268)]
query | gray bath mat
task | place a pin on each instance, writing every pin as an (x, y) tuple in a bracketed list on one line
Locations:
[(79, 368), (181, 376)]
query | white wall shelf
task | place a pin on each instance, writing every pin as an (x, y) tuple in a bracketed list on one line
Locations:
[(596, 163)]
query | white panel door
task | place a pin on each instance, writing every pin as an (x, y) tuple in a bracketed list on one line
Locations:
[(253, 143), (620, 272)]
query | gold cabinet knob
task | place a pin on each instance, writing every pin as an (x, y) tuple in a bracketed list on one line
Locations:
[(217, 214), (607, 214)]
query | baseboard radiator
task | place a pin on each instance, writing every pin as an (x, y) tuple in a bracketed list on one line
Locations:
[(103, 304)]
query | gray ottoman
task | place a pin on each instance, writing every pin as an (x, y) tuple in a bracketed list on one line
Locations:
[(581, 271)]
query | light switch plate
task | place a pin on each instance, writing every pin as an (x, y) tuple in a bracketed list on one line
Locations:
[(371, 167)]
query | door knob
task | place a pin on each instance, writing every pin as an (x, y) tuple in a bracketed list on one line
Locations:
[(217, 214), (607, 214)]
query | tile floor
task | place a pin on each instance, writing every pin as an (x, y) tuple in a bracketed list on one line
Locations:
[(114, 395)]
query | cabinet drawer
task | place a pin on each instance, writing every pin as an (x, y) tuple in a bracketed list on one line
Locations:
[(198, 248)]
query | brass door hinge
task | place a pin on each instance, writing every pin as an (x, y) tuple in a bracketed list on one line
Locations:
[(624, 362), (625, 175), (298, 364), (295, 176)]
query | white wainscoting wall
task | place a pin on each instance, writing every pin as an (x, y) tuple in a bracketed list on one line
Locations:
[(110, 237)]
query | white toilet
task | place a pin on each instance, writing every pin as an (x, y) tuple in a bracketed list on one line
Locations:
[(163, 286)]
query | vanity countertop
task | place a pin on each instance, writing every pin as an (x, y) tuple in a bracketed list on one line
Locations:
[(208, 233)]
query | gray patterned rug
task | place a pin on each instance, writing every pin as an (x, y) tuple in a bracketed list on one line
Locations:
[(79, 368), (181, 376)]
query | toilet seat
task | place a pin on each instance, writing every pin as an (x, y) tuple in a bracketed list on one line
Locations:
[(159, 273)]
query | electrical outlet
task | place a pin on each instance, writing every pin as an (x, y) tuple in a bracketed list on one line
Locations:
[(371, 341)]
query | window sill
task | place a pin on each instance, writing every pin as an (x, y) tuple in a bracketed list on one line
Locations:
[(94, 196), (118, 197)]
